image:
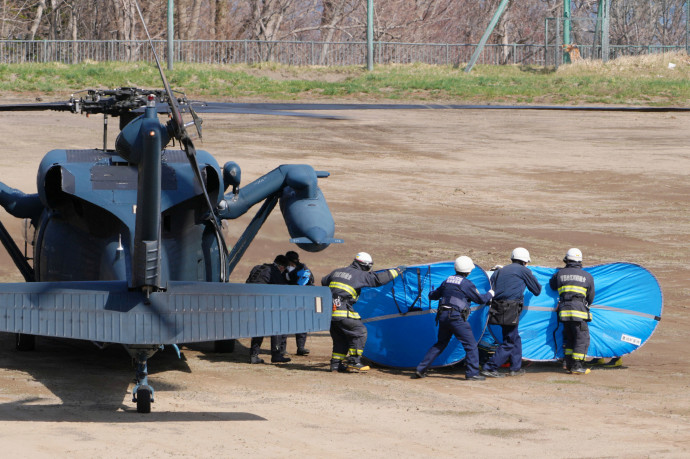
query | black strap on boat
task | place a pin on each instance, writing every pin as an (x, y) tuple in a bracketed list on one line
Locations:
[(419, 294)]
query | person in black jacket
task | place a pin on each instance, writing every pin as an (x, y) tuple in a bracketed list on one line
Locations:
[(347, 330), (297, 273), (575, 288), (268, 273), (509, 283), (454, 296)]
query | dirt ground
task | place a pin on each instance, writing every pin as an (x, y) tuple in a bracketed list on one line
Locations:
[(409, 187)]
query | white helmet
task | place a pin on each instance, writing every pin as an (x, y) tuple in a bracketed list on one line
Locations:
[(464, 264), (364, 260), (521, 254), (573, 255)]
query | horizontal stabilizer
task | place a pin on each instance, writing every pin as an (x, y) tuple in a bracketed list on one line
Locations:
[(186, 312)]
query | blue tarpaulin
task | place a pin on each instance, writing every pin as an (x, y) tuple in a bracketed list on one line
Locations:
[(401, 320)]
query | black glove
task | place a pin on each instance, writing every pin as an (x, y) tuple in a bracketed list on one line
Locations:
[(401, 269)]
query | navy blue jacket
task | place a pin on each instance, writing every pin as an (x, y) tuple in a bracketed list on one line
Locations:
[(457, 292), (510, 281)]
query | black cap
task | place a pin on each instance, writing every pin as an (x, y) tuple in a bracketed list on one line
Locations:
[(292, 256), (281, 260)]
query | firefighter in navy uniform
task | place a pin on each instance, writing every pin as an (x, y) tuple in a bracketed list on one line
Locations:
[(297, 273), (575, 288), (268, 273), (509, 283), (455, 295), (347, 330)]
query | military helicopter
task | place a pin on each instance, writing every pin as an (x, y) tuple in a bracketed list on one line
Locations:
[(128, 246)]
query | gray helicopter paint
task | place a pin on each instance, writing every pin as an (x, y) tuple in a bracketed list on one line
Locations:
[(186, 312), (178, 181)]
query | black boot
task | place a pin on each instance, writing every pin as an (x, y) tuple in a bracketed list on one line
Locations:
[(255, 359), (579, 369), (356, 366), (338, 366), (279, 358), (568, 363)]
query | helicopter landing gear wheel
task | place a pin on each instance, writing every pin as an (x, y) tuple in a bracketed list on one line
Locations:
[(144, 400), (142, 394)]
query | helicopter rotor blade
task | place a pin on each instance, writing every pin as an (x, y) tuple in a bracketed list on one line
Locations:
[(258, 109), (175, 111), (196, 121), (289, 109), (180, 132), (66, 106)]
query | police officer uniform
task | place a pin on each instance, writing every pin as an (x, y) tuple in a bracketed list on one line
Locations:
[(509, 283), (268, 273), (347, 330), (455, 295), (575, 288)]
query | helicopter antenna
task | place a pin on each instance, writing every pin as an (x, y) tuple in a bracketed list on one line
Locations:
[(181, 135)]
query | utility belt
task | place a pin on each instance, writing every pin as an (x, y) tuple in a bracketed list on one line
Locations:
[(505, 312), (464, 313)]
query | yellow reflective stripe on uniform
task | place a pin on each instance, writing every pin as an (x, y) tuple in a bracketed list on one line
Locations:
[(345, 287), (568, 352), (578, 356), (577, 314), (394, 273), (573, 288), (345, 313), (336, 356)]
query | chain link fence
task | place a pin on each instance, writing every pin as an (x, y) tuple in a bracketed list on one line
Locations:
[(294, 52)]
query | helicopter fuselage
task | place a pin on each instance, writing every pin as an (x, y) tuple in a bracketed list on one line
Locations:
[(86, 230)]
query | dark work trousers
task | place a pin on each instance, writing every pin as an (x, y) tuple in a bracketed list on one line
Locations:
[(275, 345), (576, 338), (510, 348), (348, 335), (300, 340), (451, 323)]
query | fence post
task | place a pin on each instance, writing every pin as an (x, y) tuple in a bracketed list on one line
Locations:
[(546, 42), (557, 55)]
